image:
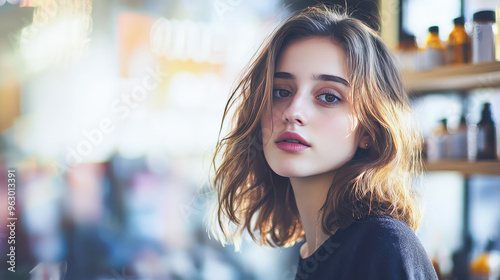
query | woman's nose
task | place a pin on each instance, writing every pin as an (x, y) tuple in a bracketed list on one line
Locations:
[(295, 112)]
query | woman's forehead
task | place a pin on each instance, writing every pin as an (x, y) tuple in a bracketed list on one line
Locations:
[(314, 56)]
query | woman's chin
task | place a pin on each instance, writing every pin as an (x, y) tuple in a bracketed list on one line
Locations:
[(291, 172)]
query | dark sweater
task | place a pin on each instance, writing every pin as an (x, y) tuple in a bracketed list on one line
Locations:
[(375, 247)]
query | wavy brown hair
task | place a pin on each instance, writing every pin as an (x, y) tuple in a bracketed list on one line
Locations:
[(376, 181)]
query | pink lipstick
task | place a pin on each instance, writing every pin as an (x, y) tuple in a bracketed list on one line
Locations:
[(291, 142)]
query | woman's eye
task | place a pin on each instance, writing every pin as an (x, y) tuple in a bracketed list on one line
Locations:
[(328, 98), (281, 93)]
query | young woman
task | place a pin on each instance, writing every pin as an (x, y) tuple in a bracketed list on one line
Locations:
[(322, 147)]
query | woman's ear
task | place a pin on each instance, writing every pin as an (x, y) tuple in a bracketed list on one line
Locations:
[(365, 142)]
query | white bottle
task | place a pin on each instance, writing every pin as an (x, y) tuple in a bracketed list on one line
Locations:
[(483, 40), (438, 142), (457, 145)]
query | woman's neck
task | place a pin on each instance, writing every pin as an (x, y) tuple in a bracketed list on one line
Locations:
[(310, 194)]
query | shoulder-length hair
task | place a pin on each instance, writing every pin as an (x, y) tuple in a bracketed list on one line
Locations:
[(377, 181)]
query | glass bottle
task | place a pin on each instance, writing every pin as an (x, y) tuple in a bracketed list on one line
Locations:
[(457, 147), (486, 135), (434, 49), (486, 266), (407, 52), (483, 43), (459, 43), (437, 146)]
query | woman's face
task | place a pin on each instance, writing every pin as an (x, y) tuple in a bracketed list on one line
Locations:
[(310, 102)]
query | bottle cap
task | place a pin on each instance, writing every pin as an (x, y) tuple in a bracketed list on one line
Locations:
[(486, 113), (434, 29), (485, 16), (463, 120), (444, 122), (459, 21)]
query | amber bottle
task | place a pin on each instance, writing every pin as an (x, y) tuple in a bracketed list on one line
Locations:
[(486, 265), (434, 49), (459, 44), (486, 135)]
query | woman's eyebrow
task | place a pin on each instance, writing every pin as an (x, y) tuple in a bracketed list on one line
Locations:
[(331, 78), (284, 75), (322, 77)]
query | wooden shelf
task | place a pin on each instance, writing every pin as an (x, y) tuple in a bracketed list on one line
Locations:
[(448, 78), (487, 167)]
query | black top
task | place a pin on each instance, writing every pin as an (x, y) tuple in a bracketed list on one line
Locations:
[(375, 247)]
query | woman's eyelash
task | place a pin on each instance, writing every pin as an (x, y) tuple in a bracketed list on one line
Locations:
[(331, 96), (276, 92)]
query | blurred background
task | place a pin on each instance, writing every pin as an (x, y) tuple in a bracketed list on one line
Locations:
[(110, 112)]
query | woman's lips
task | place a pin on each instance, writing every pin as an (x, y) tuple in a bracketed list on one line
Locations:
[(291, 142), (291, 147)]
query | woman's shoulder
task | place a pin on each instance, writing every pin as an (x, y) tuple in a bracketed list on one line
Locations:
[(382, 233), (378, 226), (374, 247), (386, 246)]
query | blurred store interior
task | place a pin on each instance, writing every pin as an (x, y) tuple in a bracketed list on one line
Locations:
[(110, 112)]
